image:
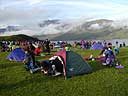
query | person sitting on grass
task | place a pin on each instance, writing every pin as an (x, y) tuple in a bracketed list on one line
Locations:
[(102, 53), (53, 66), (109, 58), (46, 66)]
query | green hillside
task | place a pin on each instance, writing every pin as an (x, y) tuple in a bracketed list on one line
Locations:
[(19, 37)]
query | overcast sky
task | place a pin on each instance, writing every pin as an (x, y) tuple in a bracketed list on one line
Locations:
[(33, 11)]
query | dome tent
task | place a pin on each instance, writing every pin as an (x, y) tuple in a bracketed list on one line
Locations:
[(73, 64), (16, 55), (97, 46)]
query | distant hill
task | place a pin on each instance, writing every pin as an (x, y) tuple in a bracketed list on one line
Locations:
[(49, 36), (93, 29), (19, 37)]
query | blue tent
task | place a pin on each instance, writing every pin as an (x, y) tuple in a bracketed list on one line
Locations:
[(16, 55), (97, 46)]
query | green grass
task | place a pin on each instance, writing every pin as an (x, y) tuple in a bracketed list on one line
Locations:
[(104, 81)]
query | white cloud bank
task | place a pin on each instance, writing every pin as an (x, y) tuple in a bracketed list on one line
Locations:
[(29, 12), (25, 11)]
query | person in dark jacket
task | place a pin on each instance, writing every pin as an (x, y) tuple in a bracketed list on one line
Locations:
[(29, 60), (47, 45)]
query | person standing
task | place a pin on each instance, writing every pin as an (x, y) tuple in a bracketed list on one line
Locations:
[(47, 46), (117, 44)]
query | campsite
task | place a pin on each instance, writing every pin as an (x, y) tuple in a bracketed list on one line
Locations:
[(63, 48), (103, 81)]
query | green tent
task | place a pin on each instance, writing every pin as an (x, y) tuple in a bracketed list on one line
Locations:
[(73, 63)]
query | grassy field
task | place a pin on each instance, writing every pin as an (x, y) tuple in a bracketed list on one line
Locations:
[(104, 81)]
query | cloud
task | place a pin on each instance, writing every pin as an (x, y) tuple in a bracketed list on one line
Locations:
[(15, 16), (27, 32), (95, 26), (29, 11), (31, 2)]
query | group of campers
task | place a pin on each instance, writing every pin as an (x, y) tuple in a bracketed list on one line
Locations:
[(54, 66), (39, 46), (84, 44), (57, 64), (46, 66), (107, 56)]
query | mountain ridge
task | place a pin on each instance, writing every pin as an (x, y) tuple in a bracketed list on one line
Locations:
[(73, 29), (94, 29)]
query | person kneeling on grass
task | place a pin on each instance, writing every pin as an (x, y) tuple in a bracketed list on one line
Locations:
[(29, 63)]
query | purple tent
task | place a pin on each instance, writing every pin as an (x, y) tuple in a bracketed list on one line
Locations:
[(97, 46), (16, 55)]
